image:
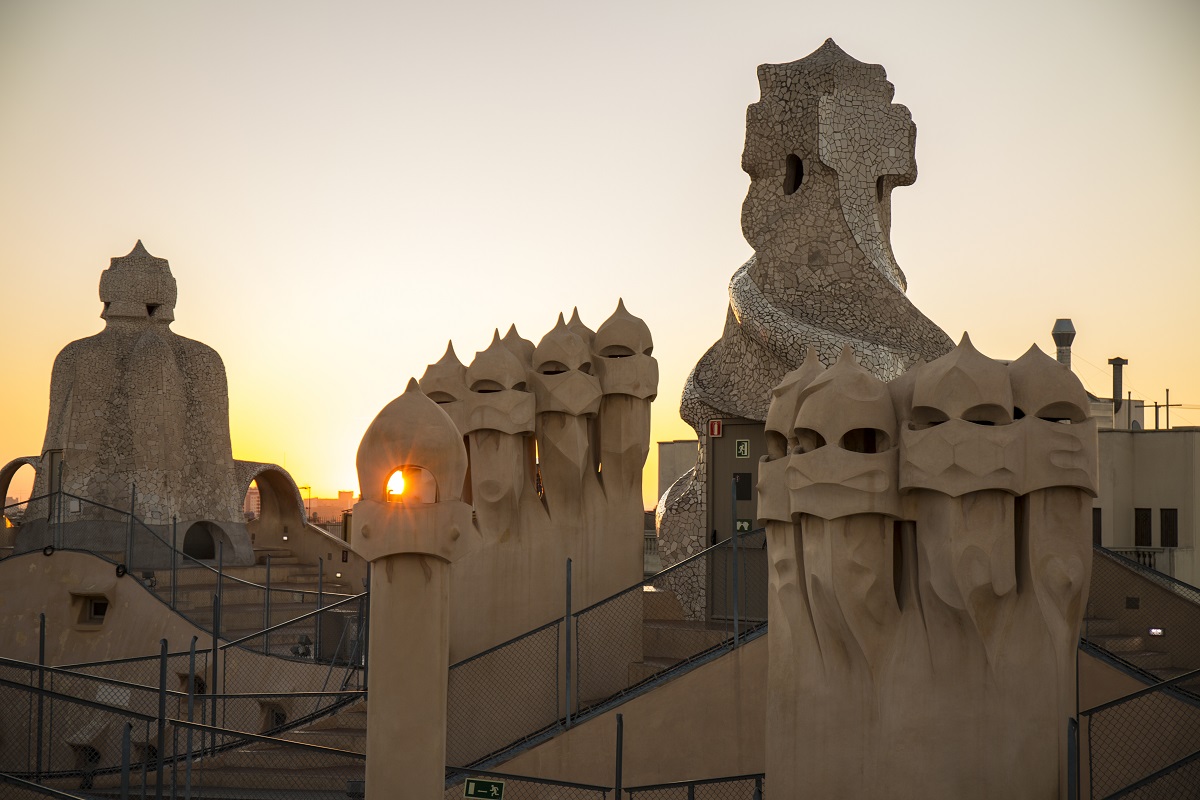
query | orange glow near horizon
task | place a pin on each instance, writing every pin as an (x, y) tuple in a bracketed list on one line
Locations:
[(326, 247)]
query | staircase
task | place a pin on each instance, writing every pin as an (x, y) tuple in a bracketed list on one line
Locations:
[(668, 638), (1133, 649), (294, 588)]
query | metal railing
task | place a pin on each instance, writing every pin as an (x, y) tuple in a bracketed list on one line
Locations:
[(741, 787), (72, 731), (1142, 618), (532, 687), (1162, 559), (140, 551), (1149, 737)]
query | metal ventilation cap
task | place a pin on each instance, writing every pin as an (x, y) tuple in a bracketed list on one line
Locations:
[(1063, 332)]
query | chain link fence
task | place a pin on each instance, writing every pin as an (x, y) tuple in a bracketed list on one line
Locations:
[(1141, 617), (1154, 732), (702, 606), (186, 584), (80, 733), (741, 787), (537, 684), (1177, 782), (504, 696), (322, 651)]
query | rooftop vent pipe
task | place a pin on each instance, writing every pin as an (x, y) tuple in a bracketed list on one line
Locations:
[(1117, 363), (1064, 334)]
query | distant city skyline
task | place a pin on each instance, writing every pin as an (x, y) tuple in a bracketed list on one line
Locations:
[(342, 189)]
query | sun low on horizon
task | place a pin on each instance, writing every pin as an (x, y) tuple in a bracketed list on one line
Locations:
[(342, 192)]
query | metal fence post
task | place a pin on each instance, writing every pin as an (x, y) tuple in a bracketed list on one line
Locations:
[(366, 631), (758, 788), (125, 761), (567, 622), (733, 538), (129, 529), (317, 618), (174, 561), (59, 509), (187, 781), (1072, 759), (267, 611), (220, 584), (41, 696), (216, 661), (620, 753), (162, 720)]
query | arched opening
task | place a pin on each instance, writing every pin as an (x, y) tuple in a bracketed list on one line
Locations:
[(252, 502), (16, 484), (200, 541), (412, 485), (274, 508)]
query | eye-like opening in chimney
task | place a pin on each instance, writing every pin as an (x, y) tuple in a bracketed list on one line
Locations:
[(794, 174)]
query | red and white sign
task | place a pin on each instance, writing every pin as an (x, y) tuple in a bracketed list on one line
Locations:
[(714, 429)]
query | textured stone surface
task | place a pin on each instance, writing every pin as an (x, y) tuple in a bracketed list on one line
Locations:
[(557, 435), (929, 560), (825, 146), (139, 405)]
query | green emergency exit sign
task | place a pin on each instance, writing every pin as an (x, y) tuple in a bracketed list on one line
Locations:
[(475, 787)]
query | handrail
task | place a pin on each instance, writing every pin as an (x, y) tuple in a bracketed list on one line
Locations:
[(1157, 687), (27, 502), (284, 624), (37, 788), (651, 579), (496, 647), (1176, 586), (66, 698), (1153, 776), (258, 737), (127, 660), (701, 782), (18, 664), (175, 551)]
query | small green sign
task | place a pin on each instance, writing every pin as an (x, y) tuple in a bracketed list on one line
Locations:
[(743, 525), (743, 448), (476, 787)]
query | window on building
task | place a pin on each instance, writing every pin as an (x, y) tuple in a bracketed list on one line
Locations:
[(1141, 528), (1168, 532), (1096, 527)]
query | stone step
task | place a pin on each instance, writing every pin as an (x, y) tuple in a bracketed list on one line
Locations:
[(350, 739), (1148, 659), (677, 639), (1120, 643), (251, 616), (1095, 626), (649, 667), (198, 576), (657, 604), (267, 776)]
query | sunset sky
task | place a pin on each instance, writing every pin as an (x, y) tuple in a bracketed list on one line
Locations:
[(341, 188)]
